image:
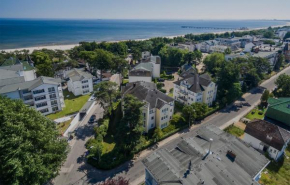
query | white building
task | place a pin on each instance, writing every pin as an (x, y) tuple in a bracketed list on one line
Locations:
[(270, 56), (79, 82), (192, 88), (158, 108), (148, 68), (44, 93), (23, 69), (267, 137), (205, 47), (248, 47)]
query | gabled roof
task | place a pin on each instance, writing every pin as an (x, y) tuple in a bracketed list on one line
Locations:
[(78, 74), (195, 82), (29, 84), (15, 65), (147, 91), (140, 72), (144, 66), (190, 163), (268, 133)]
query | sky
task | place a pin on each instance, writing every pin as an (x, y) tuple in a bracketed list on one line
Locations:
[(146, 9)]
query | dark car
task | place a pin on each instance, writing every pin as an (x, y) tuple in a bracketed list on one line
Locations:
[(92, 119)]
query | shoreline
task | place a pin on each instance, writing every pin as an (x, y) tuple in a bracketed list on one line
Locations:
[(70, 46)]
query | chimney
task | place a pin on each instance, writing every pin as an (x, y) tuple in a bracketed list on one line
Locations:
[(134, 85), (196, 79)]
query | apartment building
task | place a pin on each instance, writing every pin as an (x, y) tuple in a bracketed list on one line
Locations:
[(148, 68), (44, 93), (287, 52), (158, 109), (194, 88), (79, 81)]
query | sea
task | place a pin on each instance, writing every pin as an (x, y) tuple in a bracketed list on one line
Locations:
[(21, 33)]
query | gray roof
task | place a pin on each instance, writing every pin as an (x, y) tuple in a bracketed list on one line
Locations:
[(190, 163), (78, 74), (268, 133), (144, 66), (147, 91), (196, 83), (8, 77), (264, 54), (29, 84), (140, 72)]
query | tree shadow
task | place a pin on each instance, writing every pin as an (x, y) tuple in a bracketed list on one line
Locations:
[(83, 132)]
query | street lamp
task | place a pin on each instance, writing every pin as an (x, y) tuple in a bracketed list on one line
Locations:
[(210, 141)]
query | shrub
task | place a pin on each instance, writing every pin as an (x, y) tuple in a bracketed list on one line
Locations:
[(169, 128), (162, 90)]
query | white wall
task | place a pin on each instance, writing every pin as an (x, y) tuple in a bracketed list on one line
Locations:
[(140, 78), (29, 75), (156, 70), (76, 87)]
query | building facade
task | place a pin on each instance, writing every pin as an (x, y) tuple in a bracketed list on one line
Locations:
[(44, 94), (194, 88), (148, 68), (79, 81), (158, 109)]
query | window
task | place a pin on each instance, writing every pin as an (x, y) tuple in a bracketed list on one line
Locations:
[(52, 96), (162, 118), (40, 98), (51, 89), (54, 102), (54, 108), (152, 125), (25, 91), (38, 91), (43, 110), (85, 86), (28, 97), (85, 81), (152, 117), (151, 111), (86, 91), (41, 104)]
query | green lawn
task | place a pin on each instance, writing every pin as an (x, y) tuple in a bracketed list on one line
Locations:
[(108, 144), (254, 114), (125, 81), (277, 172), (236, 131), (63, 126), (72, 105)]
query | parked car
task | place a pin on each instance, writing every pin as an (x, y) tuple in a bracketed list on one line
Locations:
[(161, 80), (92, 119)]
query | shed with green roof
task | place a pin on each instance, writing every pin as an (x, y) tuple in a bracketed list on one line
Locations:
[(279, 109)]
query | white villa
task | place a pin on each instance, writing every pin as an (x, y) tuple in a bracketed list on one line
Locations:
[(146, 70), (79, 81), (192, 88), (267, 137), (158, 108)]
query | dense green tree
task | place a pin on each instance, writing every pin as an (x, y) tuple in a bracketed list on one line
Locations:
[(172, 57), (106, 93), (287, 35), (195, 111), (118, 48), (265, 96), (136, 53), (43, 64), (261, 65), (30, 150), (269, 34), (228, 51), (120, 65), (213, 62), (131, 125), (279, 62), (157, 134), (283, 86)]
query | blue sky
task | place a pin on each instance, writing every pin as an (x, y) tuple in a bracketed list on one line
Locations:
[(146, 9)]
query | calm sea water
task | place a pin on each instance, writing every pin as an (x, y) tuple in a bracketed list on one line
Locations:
[(18, 33)]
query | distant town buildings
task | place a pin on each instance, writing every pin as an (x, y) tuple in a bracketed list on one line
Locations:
[(210, 157), (148, 68), (267, 137), (79, 81), (192, 88), (287, 52), (158, 109)]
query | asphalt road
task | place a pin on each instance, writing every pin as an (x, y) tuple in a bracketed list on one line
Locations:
[(76, 171)]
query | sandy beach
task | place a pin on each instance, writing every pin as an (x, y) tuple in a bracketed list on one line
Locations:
[(70, 46)]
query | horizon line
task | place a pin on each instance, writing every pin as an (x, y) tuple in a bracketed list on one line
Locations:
[(264, 19)]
